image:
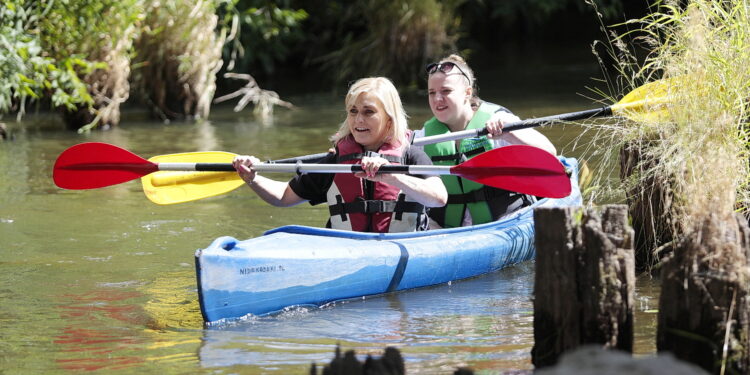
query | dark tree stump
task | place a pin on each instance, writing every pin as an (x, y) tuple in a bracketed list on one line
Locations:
[(391, 363), (649, 204), (704, 307), (585, 279), (608, 282), (556, 319)]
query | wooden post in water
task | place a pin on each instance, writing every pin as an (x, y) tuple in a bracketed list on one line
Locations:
[(585, 280), (649, 205), (704, 307)]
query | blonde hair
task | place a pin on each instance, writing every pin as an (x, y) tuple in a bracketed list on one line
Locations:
[(384, 90)]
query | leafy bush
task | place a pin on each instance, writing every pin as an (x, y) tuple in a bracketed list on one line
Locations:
[(27, 72)]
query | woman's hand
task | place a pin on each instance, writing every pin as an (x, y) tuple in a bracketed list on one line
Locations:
[(528, 136), (429, 191), (244, 166), (370, 167), (495, 123), (277, 193)]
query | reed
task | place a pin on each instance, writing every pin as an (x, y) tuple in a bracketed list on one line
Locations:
[(693, 160), (179, 54), (92, 39), (398, 38)]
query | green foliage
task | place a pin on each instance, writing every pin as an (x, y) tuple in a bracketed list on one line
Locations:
[(86, 26), (179, 53), (93, 39), (692, 161), (267, 30), (26, 72), (46, 47), (49, 48)]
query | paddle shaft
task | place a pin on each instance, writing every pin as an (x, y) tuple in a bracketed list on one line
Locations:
[(305, 168), (529, 123)]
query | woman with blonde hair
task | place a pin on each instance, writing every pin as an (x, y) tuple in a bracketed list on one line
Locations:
[(452, 95), (374, 134)]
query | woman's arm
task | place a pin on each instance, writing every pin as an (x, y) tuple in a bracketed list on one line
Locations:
[(528, 136), (429, 191), (275, 193)]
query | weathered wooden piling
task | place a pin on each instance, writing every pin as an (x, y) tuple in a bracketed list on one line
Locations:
[(704, 307), (585, 280), (649, 206)]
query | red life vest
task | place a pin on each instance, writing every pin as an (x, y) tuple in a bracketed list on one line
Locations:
[(365, 206)]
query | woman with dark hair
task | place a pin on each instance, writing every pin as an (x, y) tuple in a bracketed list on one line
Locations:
[(455, 106)]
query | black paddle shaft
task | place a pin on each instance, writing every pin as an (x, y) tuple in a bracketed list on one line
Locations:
[(543, 121), (214, 167), (226, 167)]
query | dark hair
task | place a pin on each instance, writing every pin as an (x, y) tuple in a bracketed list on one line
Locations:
[(461, 63)]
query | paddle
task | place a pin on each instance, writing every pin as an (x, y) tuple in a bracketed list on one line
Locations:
[(518, 168), (645, 103), (165, 187)]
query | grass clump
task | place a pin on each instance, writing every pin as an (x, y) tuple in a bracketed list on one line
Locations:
[(92, 39), (398, 37), (179, 54), (691, 159)]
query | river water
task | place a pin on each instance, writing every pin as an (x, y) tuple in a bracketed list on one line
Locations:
[(103, 280)]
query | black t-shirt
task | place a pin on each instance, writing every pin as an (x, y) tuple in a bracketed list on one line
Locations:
[(314, 186)]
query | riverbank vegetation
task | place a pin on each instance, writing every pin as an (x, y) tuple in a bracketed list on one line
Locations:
[(690, 159), (86, 58), (685, 171), (178, 54)]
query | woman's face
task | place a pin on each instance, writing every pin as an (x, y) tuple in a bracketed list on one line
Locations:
[(368, 122), (448, 95)]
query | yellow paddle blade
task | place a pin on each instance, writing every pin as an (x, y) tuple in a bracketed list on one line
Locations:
[(170, 187), (648, 103)]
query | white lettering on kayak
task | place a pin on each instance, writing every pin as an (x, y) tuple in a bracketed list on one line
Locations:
[(250, 270)]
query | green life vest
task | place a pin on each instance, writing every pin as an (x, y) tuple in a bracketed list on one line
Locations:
[(445, 153)]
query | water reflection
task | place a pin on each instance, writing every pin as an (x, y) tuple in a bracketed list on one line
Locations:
[(487, 318), (206, 139), (87, 348)]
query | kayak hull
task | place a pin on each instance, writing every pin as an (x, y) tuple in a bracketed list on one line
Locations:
[(306, 266)]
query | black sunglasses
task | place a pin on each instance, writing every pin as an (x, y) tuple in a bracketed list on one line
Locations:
[(445, 67)]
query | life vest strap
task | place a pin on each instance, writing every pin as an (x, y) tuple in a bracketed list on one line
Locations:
[(458, 157), (374, 206)]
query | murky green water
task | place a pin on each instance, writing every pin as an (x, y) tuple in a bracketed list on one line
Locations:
[(104, 279)]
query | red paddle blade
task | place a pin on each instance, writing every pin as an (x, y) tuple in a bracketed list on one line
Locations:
[(94, 165), (518, 168)]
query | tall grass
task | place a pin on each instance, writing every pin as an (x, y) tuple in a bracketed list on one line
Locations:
[(395, 38), (692, 160), (93, 38), (179, 54)]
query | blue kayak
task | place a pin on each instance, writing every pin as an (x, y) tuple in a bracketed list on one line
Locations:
[(306, 266)]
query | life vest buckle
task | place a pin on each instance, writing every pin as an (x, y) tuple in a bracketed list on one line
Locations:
[(374, 206)]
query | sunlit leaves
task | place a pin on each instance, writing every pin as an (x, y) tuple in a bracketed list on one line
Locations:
[(47, 46), (267, 30)]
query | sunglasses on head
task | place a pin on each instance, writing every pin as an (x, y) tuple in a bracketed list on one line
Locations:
[(445, 67)]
